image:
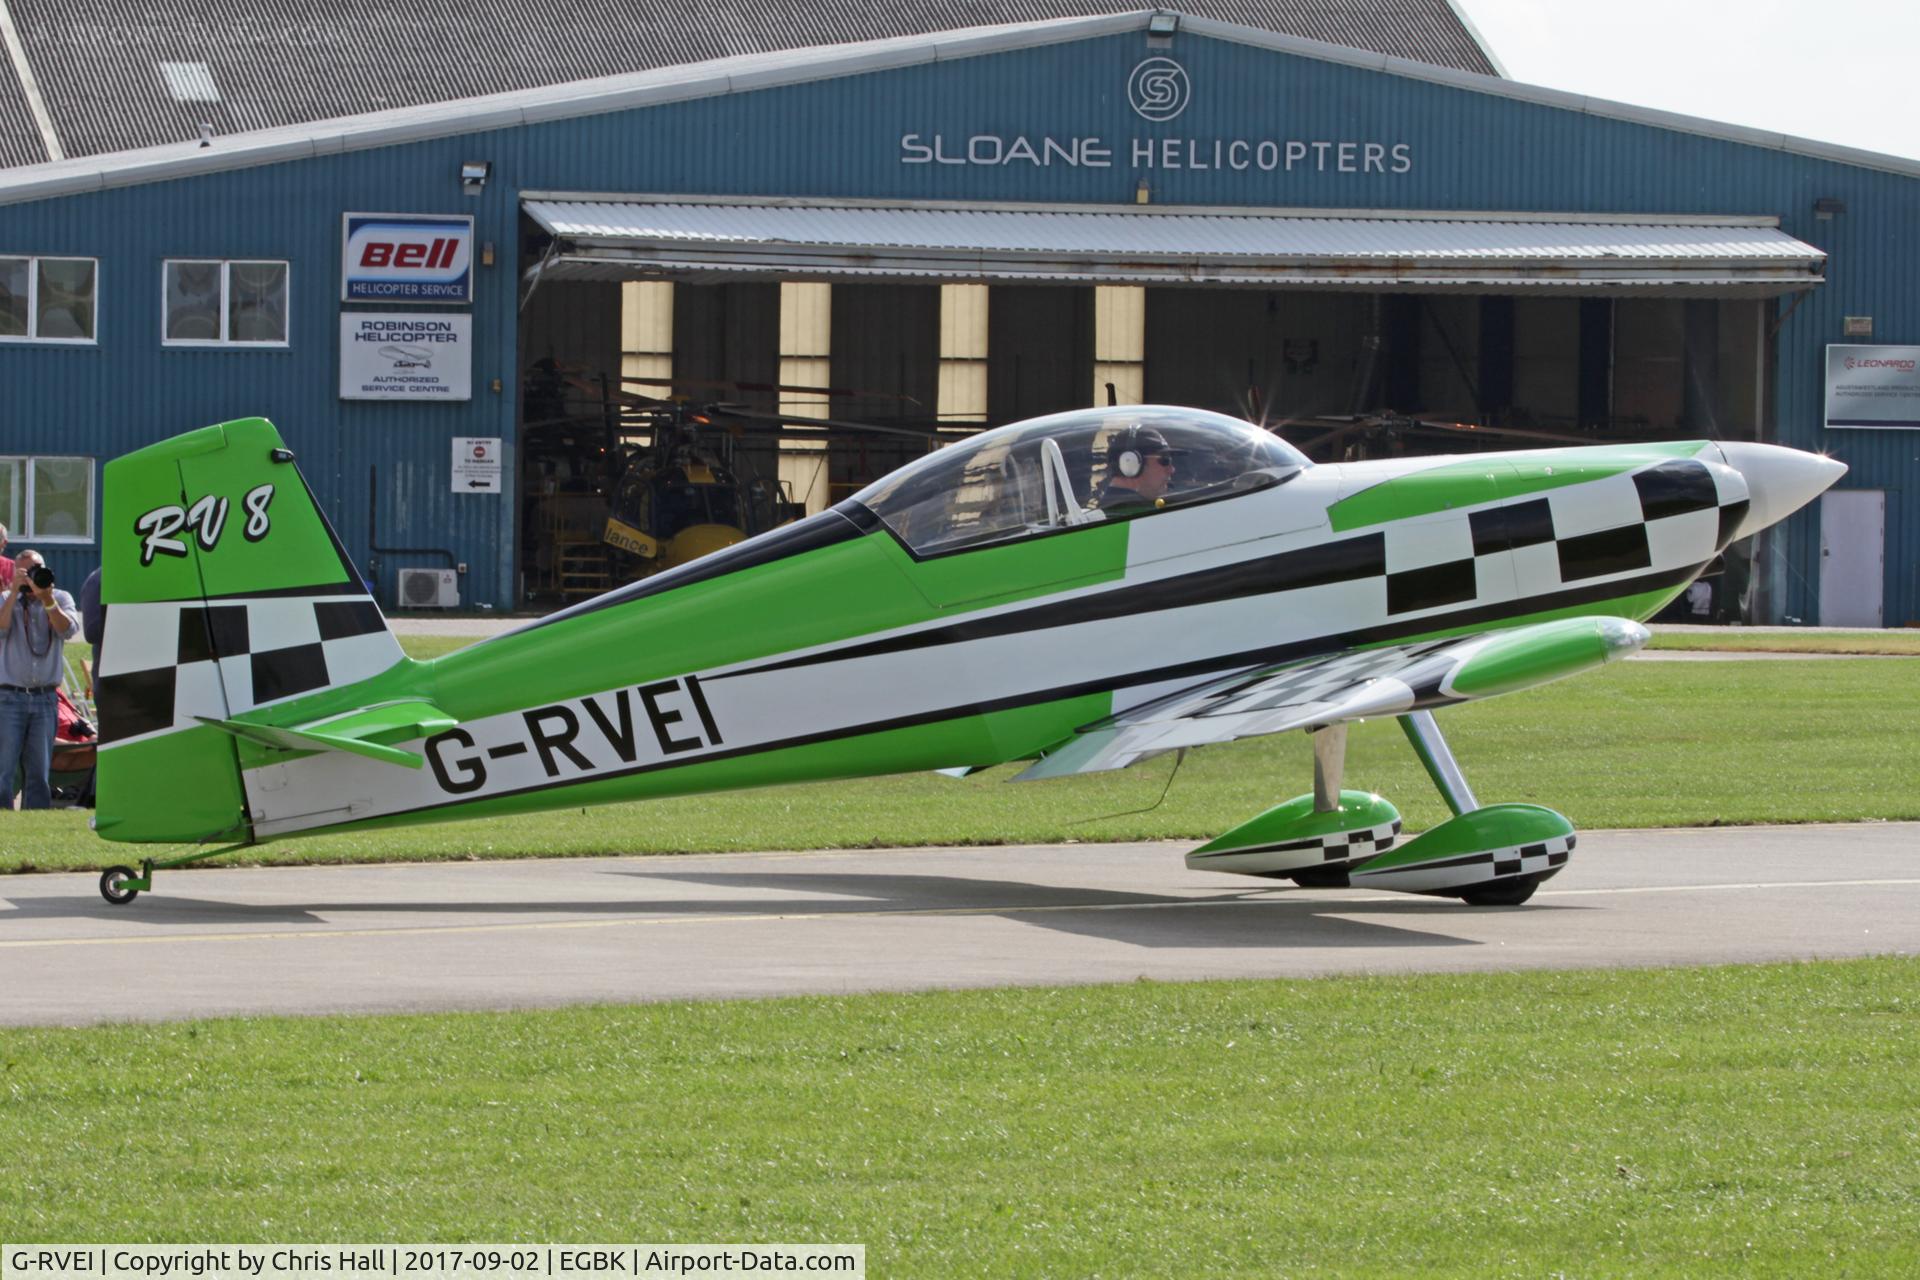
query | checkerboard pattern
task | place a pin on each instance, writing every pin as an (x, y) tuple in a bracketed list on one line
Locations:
[(1668, 515), (1326, 690), (1476, 868), (1357, 846), (1534, 857), (1314, 682), (166, 662), (1338, 848)]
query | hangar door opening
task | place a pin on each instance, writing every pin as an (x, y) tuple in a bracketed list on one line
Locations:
[(662, 420), (753, 381)]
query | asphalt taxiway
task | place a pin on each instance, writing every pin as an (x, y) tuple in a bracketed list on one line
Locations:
[(491, 935)]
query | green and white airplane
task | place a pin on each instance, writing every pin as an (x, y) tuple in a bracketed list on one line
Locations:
[(1083, 591)]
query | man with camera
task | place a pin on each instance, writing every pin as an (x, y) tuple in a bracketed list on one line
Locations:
[(36, 621)]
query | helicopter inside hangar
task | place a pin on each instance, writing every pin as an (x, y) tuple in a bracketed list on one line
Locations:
[(663, 419)]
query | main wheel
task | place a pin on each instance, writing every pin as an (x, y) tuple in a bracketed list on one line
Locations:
[(113, 886), (1501, 893)]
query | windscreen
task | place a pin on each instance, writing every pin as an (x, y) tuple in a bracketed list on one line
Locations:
[(1120, 463)]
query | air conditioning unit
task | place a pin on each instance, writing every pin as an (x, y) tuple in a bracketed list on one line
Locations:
[(429, 589)]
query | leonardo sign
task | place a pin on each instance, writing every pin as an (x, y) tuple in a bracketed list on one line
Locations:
[(1873, 387)]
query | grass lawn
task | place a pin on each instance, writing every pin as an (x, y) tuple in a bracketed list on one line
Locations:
[(1636, 744), (1752, 1121), (1739, 640)]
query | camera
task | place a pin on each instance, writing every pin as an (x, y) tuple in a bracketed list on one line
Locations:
[(39, 577)]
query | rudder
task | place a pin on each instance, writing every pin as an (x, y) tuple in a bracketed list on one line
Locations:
[(226, 591)]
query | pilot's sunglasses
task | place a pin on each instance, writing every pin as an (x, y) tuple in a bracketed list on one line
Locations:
[(1162, 459)]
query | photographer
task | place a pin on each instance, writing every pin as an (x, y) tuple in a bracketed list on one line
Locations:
[(36, 621)]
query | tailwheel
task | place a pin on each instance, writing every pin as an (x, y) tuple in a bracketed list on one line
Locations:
[(113, 885)]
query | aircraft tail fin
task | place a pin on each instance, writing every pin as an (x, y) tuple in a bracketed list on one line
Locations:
[(227, 591)]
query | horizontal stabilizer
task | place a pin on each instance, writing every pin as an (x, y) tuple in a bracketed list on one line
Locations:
[(365, 732)]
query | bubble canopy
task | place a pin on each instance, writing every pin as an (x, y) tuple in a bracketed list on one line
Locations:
[(1072, 469)]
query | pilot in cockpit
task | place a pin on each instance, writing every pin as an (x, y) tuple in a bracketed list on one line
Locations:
[(1140, 470)]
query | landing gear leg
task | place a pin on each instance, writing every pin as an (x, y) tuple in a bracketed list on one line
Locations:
[(1329, 765), (1486, 855), (1431, 747)]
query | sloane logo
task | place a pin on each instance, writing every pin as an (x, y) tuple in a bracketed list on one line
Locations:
[(1158, 90)]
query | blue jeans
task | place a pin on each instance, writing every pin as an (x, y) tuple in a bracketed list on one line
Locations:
[(27, 722)]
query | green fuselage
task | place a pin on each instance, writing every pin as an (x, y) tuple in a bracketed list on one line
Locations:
[(828, 649)]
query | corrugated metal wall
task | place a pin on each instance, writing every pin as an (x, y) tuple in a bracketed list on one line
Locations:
[(1463, 150), (129, 390)]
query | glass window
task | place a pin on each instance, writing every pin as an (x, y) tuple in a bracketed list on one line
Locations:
[(208, 303), (257, 302), (47, 499), (48, 299), (13, 296), (10, 495), (193, 302), (62, 493), (66, 298), (1070, 468)]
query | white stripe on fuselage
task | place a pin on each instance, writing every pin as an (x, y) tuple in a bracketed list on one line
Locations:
[(750, 707)]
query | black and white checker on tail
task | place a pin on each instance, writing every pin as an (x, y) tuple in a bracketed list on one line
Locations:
[(165, 663), (1466, 870), (1334, 849)]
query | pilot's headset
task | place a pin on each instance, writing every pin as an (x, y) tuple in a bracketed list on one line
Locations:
[(1130, 461)]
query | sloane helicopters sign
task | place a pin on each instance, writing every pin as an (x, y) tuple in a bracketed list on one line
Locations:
[(1159, 90)]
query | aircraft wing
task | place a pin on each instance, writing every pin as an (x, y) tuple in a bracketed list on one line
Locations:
[(1349, 685)]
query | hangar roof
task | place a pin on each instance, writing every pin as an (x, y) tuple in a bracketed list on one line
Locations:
[(118, 76), (757, 71)]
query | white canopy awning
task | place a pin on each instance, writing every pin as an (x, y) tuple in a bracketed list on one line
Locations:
[(609, 238)]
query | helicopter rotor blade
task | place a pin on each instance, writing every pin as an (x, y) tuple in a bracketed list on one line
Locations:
[(727, 384), (829, 424)]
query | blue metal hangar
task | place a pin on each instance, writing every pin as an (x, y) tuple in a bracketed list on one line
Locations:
[(547, 301)]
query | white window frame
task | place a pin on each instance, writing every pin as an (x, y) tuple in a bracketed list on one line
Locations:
[(33, 261), (226, 293), (24, 531)]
